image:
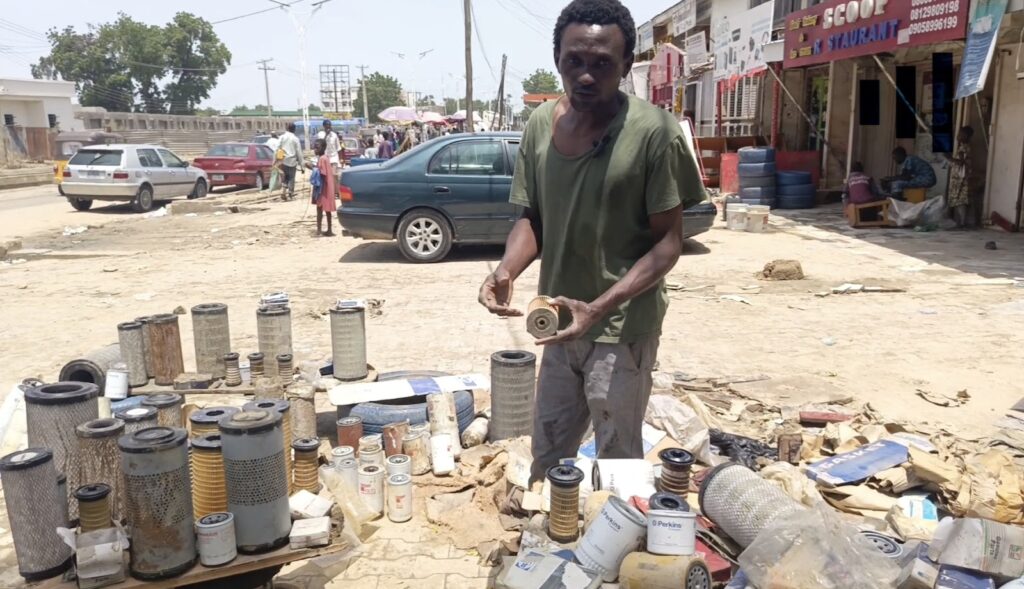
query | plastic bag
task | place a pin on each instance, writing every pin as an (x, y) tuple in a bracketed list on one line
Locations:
[(908, 214), (815, 548), (347, 498), (741, 449)]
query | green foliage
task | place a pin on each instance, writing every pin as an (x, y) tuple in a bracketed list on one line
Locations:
[(313, 109), (541, 82), (427, 100), (381, 92)]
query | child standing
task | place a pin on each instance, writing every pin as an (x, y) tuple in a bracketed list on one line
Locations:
[(325, 197)]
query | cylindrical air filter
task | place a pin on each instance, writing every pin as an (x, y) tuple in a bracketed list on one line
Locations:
[(416, 446), (675, 471), (168, 407), (399, 490), (742, 503), (158, 492), (255, 367), (513, 382), (204, 421), (209, 491), (34, 512), (348, 343), (304, 467), (371, 487), (62, 491), (133, 352), (303, 409), (100, 459), (257, 479), (392, 434), (212, 336), (563, 522), (215, 538), (147, 343), (138, 418), (283, 408), (52, 412), (274, 335), (93, 507), (165, 348), (542, 317), (92, 367), (232, 372), (350, 429)]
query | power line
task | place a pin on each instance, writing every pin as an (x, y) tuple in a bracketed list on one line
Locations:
[(241, 16), (480, 42), (515, 14)]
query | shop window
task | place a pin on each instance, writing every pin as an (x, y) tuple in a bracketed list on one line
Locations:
[(8, 119), (52, 120)]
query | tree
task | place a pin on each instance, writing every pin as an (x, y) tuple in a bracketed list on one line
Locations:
[(381, 92), (541, 82), (197, 58), (208, 112), (427, 100), (313, 109)]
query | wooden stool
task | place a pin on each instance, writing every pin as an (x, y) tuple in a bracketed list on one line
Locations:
[(914, 195), (853, 214)]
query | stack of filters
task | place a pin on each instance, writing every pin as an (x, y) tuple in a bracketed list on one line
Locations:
[(795, 190), (757, 176)]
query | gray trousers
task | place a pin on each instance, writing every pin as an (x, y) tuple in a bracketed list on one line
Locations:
[(583, 383)]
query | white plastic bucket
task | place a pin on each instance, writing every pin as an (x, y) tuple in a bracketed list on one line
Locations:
[(441, 456), (757, 218), (116, 386), (616, 532), (399, 498), (215, 539), (371, 487), (671, 532), (736, 217), (625, 477)]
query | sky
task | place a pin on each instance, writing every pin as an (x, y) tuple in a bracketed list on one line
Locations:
[(339, 33)]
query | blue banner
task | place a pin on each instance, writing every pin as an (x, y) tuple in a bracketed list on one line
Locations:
[(981, 44)]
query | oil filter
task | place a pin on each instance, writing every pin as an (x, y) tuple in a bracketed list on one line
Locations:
[(52, 412), (232, 372), (165, 348), (215, 539), (115, 385), (398, 464), (424, 430), (348, 342), (133, 352), (138, 418), (92, 367), (542, 317), (305, 465), (563, 521), (392, 434), (742, 503), (441, 457), (675, 471), (641, 570), (257, 479), (667, 502), (168, 407), (513, 382), (255, 367), (475, 433), (371, 487), (416, 447), (209, 491), (212, 335), (34, 513), (158, 493), (671, 532), (371, 440), (93, 507), (371, 453), (274, 335), (147, 343), (349, 469), (282, 408), (339, 453), (399, 498), (303, 410), (100, 459), (285, 369), (443, 418), (617, 531), (204, 421)]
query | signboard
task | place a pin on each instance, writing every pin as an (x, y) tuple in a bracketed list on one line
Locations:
[(859, 464), (739, 41), (981, 46), (841, 29), (683, 18), (696, 52), (645, 38)]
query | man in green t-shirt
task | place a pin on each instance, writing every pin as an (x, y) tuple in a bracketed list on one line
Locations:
[(602, 178)]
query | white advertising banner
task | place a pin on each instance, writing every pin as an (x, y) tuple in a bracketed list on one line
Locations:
[(683, 18), (696, 52), (739, 41), (645, 38)]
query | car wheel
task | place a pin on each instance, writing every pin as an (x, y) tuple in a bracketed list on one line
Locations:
[(424, 236), (200, 189), (143, 201), (80, 204), (259, 181)]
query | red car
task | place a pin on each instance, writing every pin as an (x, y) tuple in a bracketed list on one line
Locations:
[(239, 164)]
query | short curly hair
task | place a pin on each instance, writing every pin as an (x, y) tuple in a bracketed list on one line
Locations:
[(596, 12)]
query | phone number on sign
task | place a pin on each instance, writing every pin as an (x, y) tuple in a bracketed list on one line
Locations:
[(934, 10), (931, 26)]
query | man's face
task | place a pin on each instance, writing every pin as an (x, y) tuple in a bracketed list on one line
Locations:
[(327, 126), (592, 62), (899, 157)]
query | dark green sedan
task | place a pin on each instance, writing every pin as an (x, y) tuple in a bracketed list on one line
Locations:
[(449, 190)]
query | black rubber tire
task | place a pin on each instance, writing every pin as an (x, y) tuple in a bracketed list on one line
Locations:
[(757, 169), (80, 204), (417, 229), (806, 190), (792, 177), (757, 192), (766, 202), (259, 186), (796, 202), (376, 415), (143, 200), (756, 155), (756, 181), (199, 190)]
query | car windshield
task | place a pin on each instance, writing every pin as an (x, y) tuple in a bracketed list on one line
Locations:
[(97, 157), (228, 150), (351, 143)]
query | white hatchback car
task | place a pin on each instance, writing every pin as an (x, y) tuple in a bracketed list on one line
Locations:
[(139, 174)]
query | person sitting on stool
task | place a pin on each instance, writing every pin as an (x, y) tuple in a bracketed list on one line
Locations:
[(914, 173)]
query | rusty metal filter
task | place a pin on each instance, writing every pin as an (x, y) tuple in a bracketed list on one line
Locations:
[(93, 507), (416, 445), (158, 491), (52, 412), (209, 491), (541, 317), (232, 373), (563, 522), (303, 409), (204, 421), (304, 468), (169, 407), (212, 335), (100, 459), (165, 348), (350, 429), (133, 352), (34, 513), (147, 343), (676, 464), (513, 382), (393, 434), (283, 408), (285, 369), (255, 367), (348, 343), (138, 418), (274, 335)]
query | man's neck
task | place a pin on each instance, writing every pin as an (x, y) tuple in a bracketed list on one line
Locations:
[(600, 116)]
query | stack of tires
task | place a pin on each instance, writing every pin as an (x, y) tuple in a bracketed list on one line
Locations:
[(757, 176), (794, 190)]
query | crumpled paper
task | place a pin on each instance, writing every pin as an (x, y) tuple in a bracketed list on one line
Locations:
[(794, 482), (995, 488), (683, 425)]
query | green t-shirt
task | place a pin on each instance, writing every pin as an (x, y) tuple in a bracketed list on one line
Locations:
[(595, 208)]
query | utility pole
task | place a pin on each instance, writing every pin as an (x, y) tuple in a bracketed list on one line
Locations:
[(501, 93), (366, 109), (266, 82), (467, 9)]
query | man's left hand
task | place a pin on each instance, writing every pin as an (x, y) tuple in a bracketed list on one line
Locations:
[(584, 316)]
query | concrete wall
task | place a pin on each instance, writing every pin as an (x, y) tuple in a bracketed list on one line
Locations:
[(117, 122)]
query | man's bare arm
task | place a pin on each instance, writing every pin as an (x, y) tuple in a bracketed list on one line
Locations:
[(521, 248)]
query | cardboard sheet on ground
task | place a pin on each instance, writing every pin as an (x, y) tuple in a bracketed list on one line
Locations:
[(350, 394), (860, 500), (651, 438), (858, 465)]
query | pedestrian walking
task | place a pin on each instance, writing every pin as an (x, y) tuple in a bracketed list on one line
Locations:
[(290, 161), (333, 142), (274, 143), (386, 150), (325, 188)]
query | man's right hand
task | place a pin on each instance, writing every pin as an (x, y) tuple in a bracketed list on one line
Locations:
[(496, 295)]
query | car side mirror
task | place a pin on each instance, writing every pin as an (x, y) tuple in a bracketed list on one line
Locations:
[(186, 164)]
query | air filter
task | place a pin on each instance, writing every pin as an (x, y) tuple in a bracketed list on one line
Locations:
[(133, 352), (742, 503), (209, 493), (274, 335), (212, 336), (147, 343), (168, 406), (255, 367), (158, 493), (100, 459), (232, 373), (52, 412), (92, 367), (165, 348), (138, 418), (307, 461), (542, 317), (348, 342), (62, 491), (564, 521), (282, 407), (93, 507), (204, 421), (257, 479), (34, 513), (303, 409), (513, 381)]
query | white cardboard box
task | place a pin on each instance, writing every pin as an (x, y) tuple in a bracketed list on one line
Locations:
[(309, 533)]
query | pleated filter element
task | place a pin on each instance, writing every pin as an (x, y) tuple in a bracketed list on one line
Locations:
[(133, 352), (513, 382), (101, 459), (209, 493), (348, 342), (274, 335), (168, 407), (212, 334)]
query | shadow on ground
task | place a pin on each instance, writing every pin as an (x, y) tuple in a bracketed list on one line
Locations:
[(382, 252)]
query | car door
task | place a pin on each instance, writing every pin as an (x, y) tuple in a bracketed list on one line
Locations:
[(461, 178), (265, 160), (179, 180), (152, 169), (503, 213)]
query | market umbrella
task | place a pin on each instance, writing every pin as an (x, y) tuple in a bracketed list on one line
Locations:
[(431, 117), (460, 115), (399, 114)]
